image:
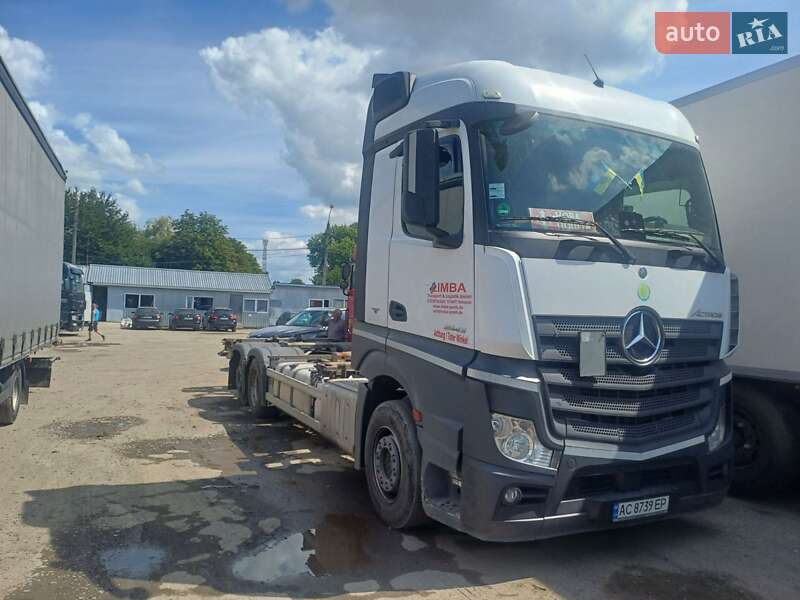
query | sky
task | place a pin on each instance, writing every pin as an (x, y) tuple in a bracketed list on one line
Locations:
[(254, 110)]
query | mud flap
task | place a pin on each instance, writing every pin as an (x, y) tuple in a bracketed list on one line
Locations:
[(39, 371)]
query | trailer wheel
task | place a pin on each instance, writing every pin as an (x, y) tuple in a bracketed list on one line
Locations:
[(393, 466), (255, 393), (10, 408), (766, 449)]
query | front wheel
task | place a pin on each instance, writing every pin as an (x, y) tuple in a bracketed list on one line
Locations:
[(10, 408), (765, 440), (393, 466)]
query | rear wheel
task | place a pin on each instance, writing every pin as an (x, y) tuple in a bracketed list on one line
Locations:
[(766, 447), (255, 393), (10, 408), (393, 466)]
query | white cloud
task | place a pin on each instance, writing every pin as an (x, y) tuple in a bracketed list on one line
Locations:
[(111, 148), (129, 205), (25, 60), (316, 86), (287, 257), (135, 186), (339, 216)]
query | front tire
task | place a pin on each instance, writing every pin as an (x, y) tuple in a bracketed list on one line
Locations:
[(766, 445), (10, 408), (394, 466), (255, 393)]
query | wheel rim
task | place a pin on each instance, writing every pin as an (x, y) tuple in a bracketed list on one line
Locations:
[(387, 464), (745, 440), (15, 395)]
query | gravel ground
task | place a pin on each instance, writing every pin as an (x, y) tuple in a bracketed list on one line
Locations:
[(138, 475)]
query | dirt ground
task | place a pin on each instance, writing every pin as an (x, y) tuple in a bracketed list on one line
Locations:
[(138, 475)]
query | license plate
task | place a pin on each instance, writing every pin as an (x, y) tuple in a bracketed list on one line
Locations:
[(635, 509)]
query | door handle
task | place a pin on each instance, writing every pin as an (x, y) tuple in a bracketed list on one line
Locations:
[(397, 311)]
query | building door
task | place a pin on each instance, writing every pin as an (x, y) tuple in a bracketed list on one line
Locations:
[(236, 303), (100, 297)]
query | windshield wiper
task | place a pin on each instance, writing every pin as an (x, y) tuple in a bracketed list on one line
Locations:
[(681, 236), (629, 258)]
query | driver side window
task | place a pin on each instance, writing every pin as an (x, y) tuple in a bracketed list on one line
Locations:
[(451, 191)]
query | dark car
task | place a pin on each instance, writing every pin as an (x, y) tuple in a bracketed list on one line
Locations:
[(218, 319), (308, 324), (146, 317), (186, 318)]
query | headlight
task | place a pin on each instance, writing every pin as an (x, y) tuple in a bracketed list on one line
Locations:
[(516, 439), (715, 437)]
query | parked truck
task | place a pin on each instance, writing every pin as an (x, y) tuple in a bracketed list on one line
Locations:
[(749, 129), (73, 298), (31, 240), (541, 311)]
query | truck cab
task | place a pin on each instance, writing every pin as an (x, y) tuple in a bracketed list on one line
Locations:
[(73, 298), (540, 281)]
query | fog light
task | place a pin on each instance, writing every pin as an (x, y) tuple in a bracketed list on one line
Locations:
[(516, 439), (512, 495), (716, 437)]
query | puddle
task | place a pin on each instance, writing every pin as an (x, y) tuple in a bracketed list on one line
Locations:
[(335, 547), (134, 562), (275, 560), (634, 582), (100, 427)]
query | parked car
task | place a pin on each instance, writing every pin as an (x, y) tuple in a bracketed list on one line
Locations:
[(221, 319), (145, 318), (186, 318), (285, 317), (306, 325)]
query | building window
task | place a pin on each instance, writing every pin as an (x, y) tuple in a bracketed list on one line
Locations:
[(146, 300), (139, 300), (338, 303), (199, 302), (131, 300), (319, 303), (256, 305)]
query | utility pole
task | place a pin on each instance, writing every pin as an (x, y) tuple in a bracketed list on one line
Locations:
[(264, 243), (75, 228), (325, 254)]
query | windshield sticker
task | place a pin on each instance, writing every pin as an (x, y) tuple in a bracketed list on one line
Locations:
[(497, 191), (502, 209), (643, 292), (557, 212)]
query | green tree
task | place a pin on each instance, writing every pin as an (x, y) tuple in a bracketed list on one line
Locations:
[(341, 241), (159, 230), (201, 242), (297, 280), (106, 233)]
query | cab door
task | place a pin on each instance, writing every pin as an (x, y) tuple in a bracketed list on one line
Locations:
[(432, 287)]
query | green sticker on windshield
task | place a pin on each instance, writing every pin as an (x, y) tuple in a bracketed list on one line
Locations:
[(643, 292), (502, 209)]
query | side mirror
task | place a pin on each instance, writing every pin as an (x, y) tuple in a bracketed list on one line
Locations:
[(346, 276), (420, 202)]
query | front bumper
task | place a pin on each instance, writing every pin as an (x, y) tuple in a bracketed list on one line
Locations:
[(580, 495)]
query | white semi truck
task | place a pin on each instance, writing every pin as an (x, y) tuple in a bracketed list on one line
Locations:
[(749, 129), (541, 311)]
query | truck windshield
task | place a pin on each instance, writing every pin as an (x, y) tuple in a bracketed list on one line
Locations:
[(636, 186)]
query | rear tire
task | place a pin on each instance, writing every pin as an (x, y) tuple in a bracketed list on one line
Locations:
[(10, 408), (394, 466), (766, 445), (241, 381), (255, 393)]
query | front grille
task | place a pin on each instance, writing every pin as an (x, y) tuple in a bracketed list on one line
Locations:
[(585, 484), (629, 404)]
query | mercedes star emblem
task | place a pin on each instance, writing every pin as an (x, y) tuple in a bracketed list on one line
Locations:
[(642, 336)]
